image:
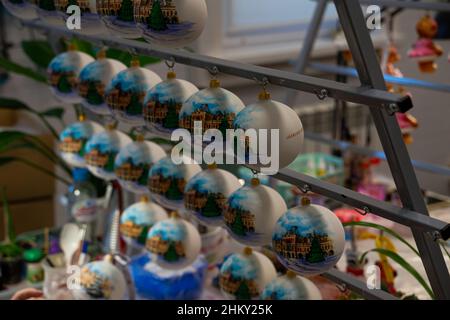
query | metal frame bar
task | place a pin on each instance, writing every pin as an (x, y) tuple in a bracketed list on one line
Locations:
[(370, 74), (417, 5)]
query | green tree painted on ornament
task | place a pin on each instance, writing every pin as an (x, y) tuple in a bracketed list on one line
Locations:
[(156, 20), (171, 119), (135, 106), (238, 225), (143, 235), (126, 11), (110, 164), (316, 254), (72, 3), (211, 208), (47, 5), (224, 125), (171, 253), (143, 178), (93, 96), (64, 85), (83, 144), (174, 193), (243, 292)]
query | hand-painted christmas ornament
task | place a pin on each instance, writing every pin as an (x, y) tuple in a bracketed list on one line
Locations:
[(94, 79), (291, 287), (309, 239), (252, 212), (163, 103), (101, 280), (133, 163), (206, 194), (425, 50), (63, 72), (125, 93), (101, 151), (173, 243), (171, 23), (22, 9), (137, 219), (167, 181), (48, 12), (119, 17), (72, 141), (243, 276), (271, 115), (212, 108)]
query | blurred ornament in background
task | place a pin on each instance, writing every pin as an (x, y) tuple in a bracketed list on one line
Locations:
[(48, 12), (119, 17), (22, 9), (90, 21), (291, 287)]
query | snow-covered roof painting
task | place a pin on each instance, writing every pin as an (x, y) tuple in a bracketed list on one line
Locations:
[(247, 117), (135, 151), (166, 168), (245, 198), (240, 267), (203, 183), (129, 80), (104, 142), (168, 230), (138, 214), (283, 289), (93, 71), (63, 62), (167, 90), (77, 131)]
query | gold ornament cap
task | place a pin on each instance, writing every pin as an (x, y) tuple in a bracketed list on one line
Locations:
[(306, 201), (72, 47), (139, 137), (81, 117), (174, 215), (108, 258), (264, 95), (171, 75), (248, 251), (145, 199), (111, 126), (212, 166), (214, 83), (255, 182), (291, 274), (101, 54), (135, 62)]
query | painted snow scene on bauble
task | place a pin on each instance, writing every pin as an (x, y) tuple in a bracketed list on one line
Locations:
[(215, 107), (291, 287), (251, 214), (171, 23), (126, 92), (163, 103), (308, 239), (133, 163), (137, 219), (173, 243), (22, 9), (167, 182), (63, 72), (94, 78), (206, 194), (100, 280), (118, 16), (72, 141), (48, 13)]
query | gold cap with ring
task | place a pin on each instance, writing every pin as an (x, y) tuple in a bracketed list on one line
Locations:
[(212, 166), (264, 95), (135, 62), (174, 215), (145, 198), (111, 126), (248, 251), (171, 75), (108, 258), (101, 54), (255, 182), (139, 137), (306, 201), (81, 117), (214, 83), (72, 47), (291, 274)]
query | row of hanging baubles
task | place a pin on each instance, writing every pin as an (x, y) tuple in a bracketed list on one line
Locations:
[(169, 23)]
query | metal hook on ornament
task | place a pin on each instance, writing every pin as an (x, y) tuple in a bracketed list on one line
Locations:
[(365, 210), (305, 189), (213, 71), (322, 94), (170, 63), (264, 82), (342, 287)]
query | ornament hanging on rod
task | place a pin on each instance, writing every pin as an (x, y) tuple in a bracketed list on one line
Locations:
[(22, 9), (291, 287), (119, 17)]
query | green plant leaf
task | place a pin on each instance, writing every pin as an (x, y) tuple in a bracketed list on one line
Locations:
[(384, 229), (10, 234), (83, 46), (38, 51), (444, 247), (10, 250), (404, 264), (53, 113), (13, 104), (126, 57), (24, 71)]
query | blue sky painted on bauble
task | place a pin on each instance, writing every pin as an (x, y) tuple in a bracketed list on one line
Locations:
[(62, 63), (203, 183), (284, 289), (138, 214), (167, 169), (306, 224), (129, 80), (240, 267), (136, 151), (103, 142), (77, 130), (166, 91), (169, 230), (246, 117), (93, 71), (218, 100), (244, 197)]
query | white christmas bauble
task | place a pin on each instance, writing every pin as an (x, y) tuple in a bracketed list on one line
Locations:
[(272, 115), (137, 219), (291, 287), (63, 72), (101, 151), (101, 280), (22, 9), (163, 103), (243, 276), (206, 194), (213, 108), (90, 22), (308, 239), (173, 243), (126, 92), (252, 212), (72, 141), (48, 12), (133, 164), (171, 23), (119, 17), (94, 79), (167, 181)]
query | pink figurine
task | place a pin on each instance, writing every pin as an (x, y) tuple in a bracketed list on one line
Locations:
[(407, 124), (425, 50)]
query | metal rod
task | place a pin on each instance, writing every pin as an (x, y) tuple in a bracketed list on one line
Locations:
[(275, 77), (370, 74), (418, 5), (307, 46)]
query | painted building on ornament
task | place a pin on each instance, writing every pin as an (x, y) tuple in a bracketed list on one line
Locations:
[(94, 284), (84, 86), (197, 201), (156, 112), (142, 10), (96, 158), (247, 218), (121, 100), (231, 285), (130, 229), (293, 246), (159, 246), (160, 185), (209, 120), (129, 172), (56, 77), (71, 145), (62, 5)]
